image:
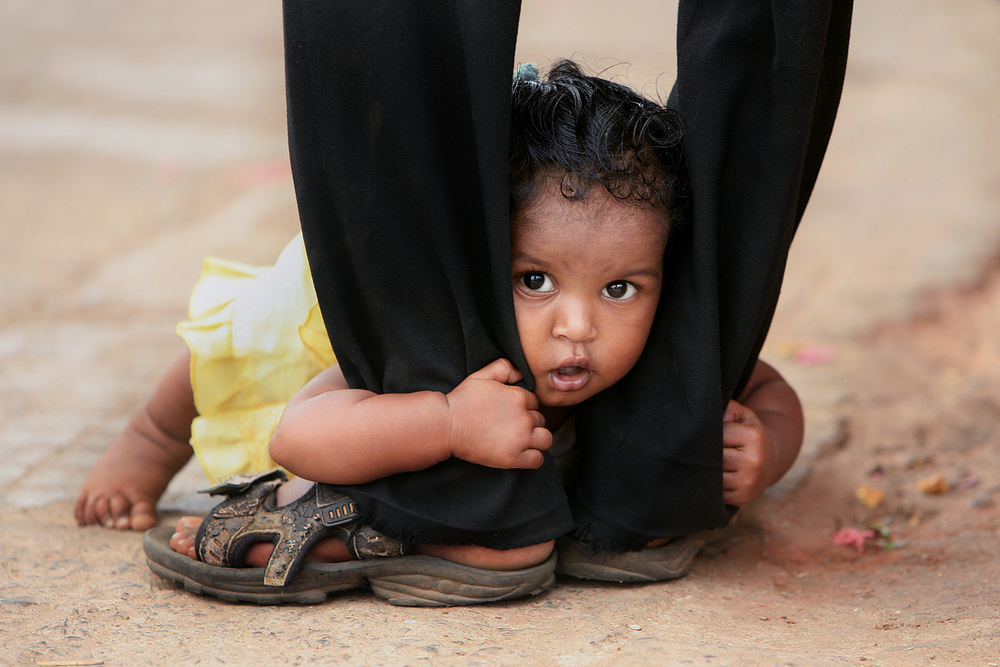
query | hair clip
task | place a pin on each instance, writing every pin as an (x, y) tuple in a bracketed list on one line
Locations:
[(526, 72)]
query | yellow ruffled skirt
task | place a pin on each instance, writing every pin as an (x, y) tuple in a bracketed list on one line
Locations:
[(256, 338)]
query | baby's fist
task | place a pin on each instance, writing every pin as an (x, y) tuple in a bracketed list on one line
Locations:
[(494, 423), (749, 455)]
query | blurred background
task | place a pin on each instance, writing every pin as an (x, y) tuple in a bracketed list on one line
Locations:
[(137, 137)]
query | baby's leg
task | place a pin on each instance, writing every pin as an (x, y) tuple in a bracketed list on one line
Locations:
[(122, 488), (333, 550)]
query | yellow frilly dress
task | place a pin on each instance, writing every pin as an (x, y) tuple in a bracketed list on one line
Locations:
[(256, 338)]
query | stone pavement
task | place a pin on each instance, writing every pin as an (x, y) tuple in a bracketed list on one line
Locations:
[(135, 138)]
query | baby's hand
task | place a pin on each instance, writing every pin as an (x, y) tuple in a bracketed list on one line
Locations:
[(749, 456), (494, 423)]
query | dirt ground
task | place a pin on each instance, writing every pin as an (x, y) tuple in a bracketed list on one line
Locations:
[(137, 137), (923, 400)]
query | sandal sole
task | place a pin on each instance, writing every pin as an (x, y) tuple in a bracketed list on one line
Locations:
[(408, 581), (673, 560)]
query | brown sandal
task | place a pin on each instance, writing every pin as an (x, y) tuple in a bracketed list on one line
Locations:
[(668, 561), (249, 515)]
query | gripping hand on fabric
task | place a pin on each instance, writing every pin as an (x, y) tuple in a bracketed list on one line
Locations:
[(494, 423), (748, 457)]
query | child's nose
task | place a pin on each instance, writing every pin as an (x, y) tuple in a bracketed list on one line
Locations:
[(575, 322)]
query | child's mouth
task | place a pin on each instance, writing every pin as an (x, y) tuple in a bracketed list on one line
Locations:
[(569, 378)]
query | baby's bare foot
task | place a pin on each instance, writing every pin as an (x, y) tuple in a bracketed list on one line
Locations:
[(122, 488)]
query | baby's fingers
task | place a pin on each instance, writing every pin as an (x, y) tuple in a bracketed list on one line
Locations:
[(501, 371), (733, 435), (738, 413), (734, 492), (739, 435), (531, 457), (730, 460), (537, 418), (541, 438)]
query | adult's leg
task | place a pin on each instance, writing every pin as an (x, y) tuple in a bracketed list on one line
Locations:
[(758, 84), (398, 119)]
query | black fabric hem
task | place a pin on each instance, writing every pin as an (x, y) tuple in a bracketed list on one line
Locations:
[(597, 535), (504, 540)]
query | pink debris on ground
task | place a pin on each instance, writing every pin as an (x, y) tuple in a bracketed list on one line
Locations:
[(965, 482), (814, 355), (262, 174), (852, 537)]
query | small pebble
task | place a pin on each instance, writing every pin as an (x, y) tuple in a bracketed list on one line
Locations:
[(19, 601), (635, 627), (981, 501)]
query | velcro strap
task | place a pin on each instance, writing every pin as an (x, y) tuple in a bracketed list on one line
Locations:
[(334, 508)]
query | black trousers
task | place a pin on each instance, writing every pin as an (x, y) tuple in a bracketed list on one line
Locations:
[(398, 122)]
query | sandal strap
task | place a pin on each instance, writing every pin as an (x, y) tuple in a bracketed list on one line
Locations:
[(365, 542), (337, 510), (249, 514), (239, 483)]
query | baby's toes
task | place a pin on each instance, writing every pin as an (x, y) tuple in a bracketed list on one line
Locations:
[(100, 511), (182, 541), (84, 510), (80, 509), (119, 507), (142, 516)]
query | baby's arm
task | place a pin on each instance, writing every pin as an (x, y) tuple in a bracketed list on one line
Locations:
[(332, 433), (762, 433)]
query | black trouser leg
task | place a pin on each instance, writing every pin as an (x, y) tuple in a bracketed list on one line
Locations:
[(397, 124), (758, 84), (398, 117)]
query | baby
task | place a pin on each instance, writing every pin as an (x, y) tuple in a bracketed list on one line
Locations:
[(590, 220)]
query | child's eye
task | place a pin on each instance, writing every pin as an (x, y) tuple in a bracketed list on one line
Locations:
[(537, 282), (619, 290)]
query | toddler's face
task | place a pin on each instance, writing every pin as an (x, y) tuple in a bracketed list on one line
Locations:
[(587, 277)]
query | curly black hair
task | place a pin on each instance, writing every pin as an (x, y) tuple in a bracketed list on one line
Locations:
[(588, 131)]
